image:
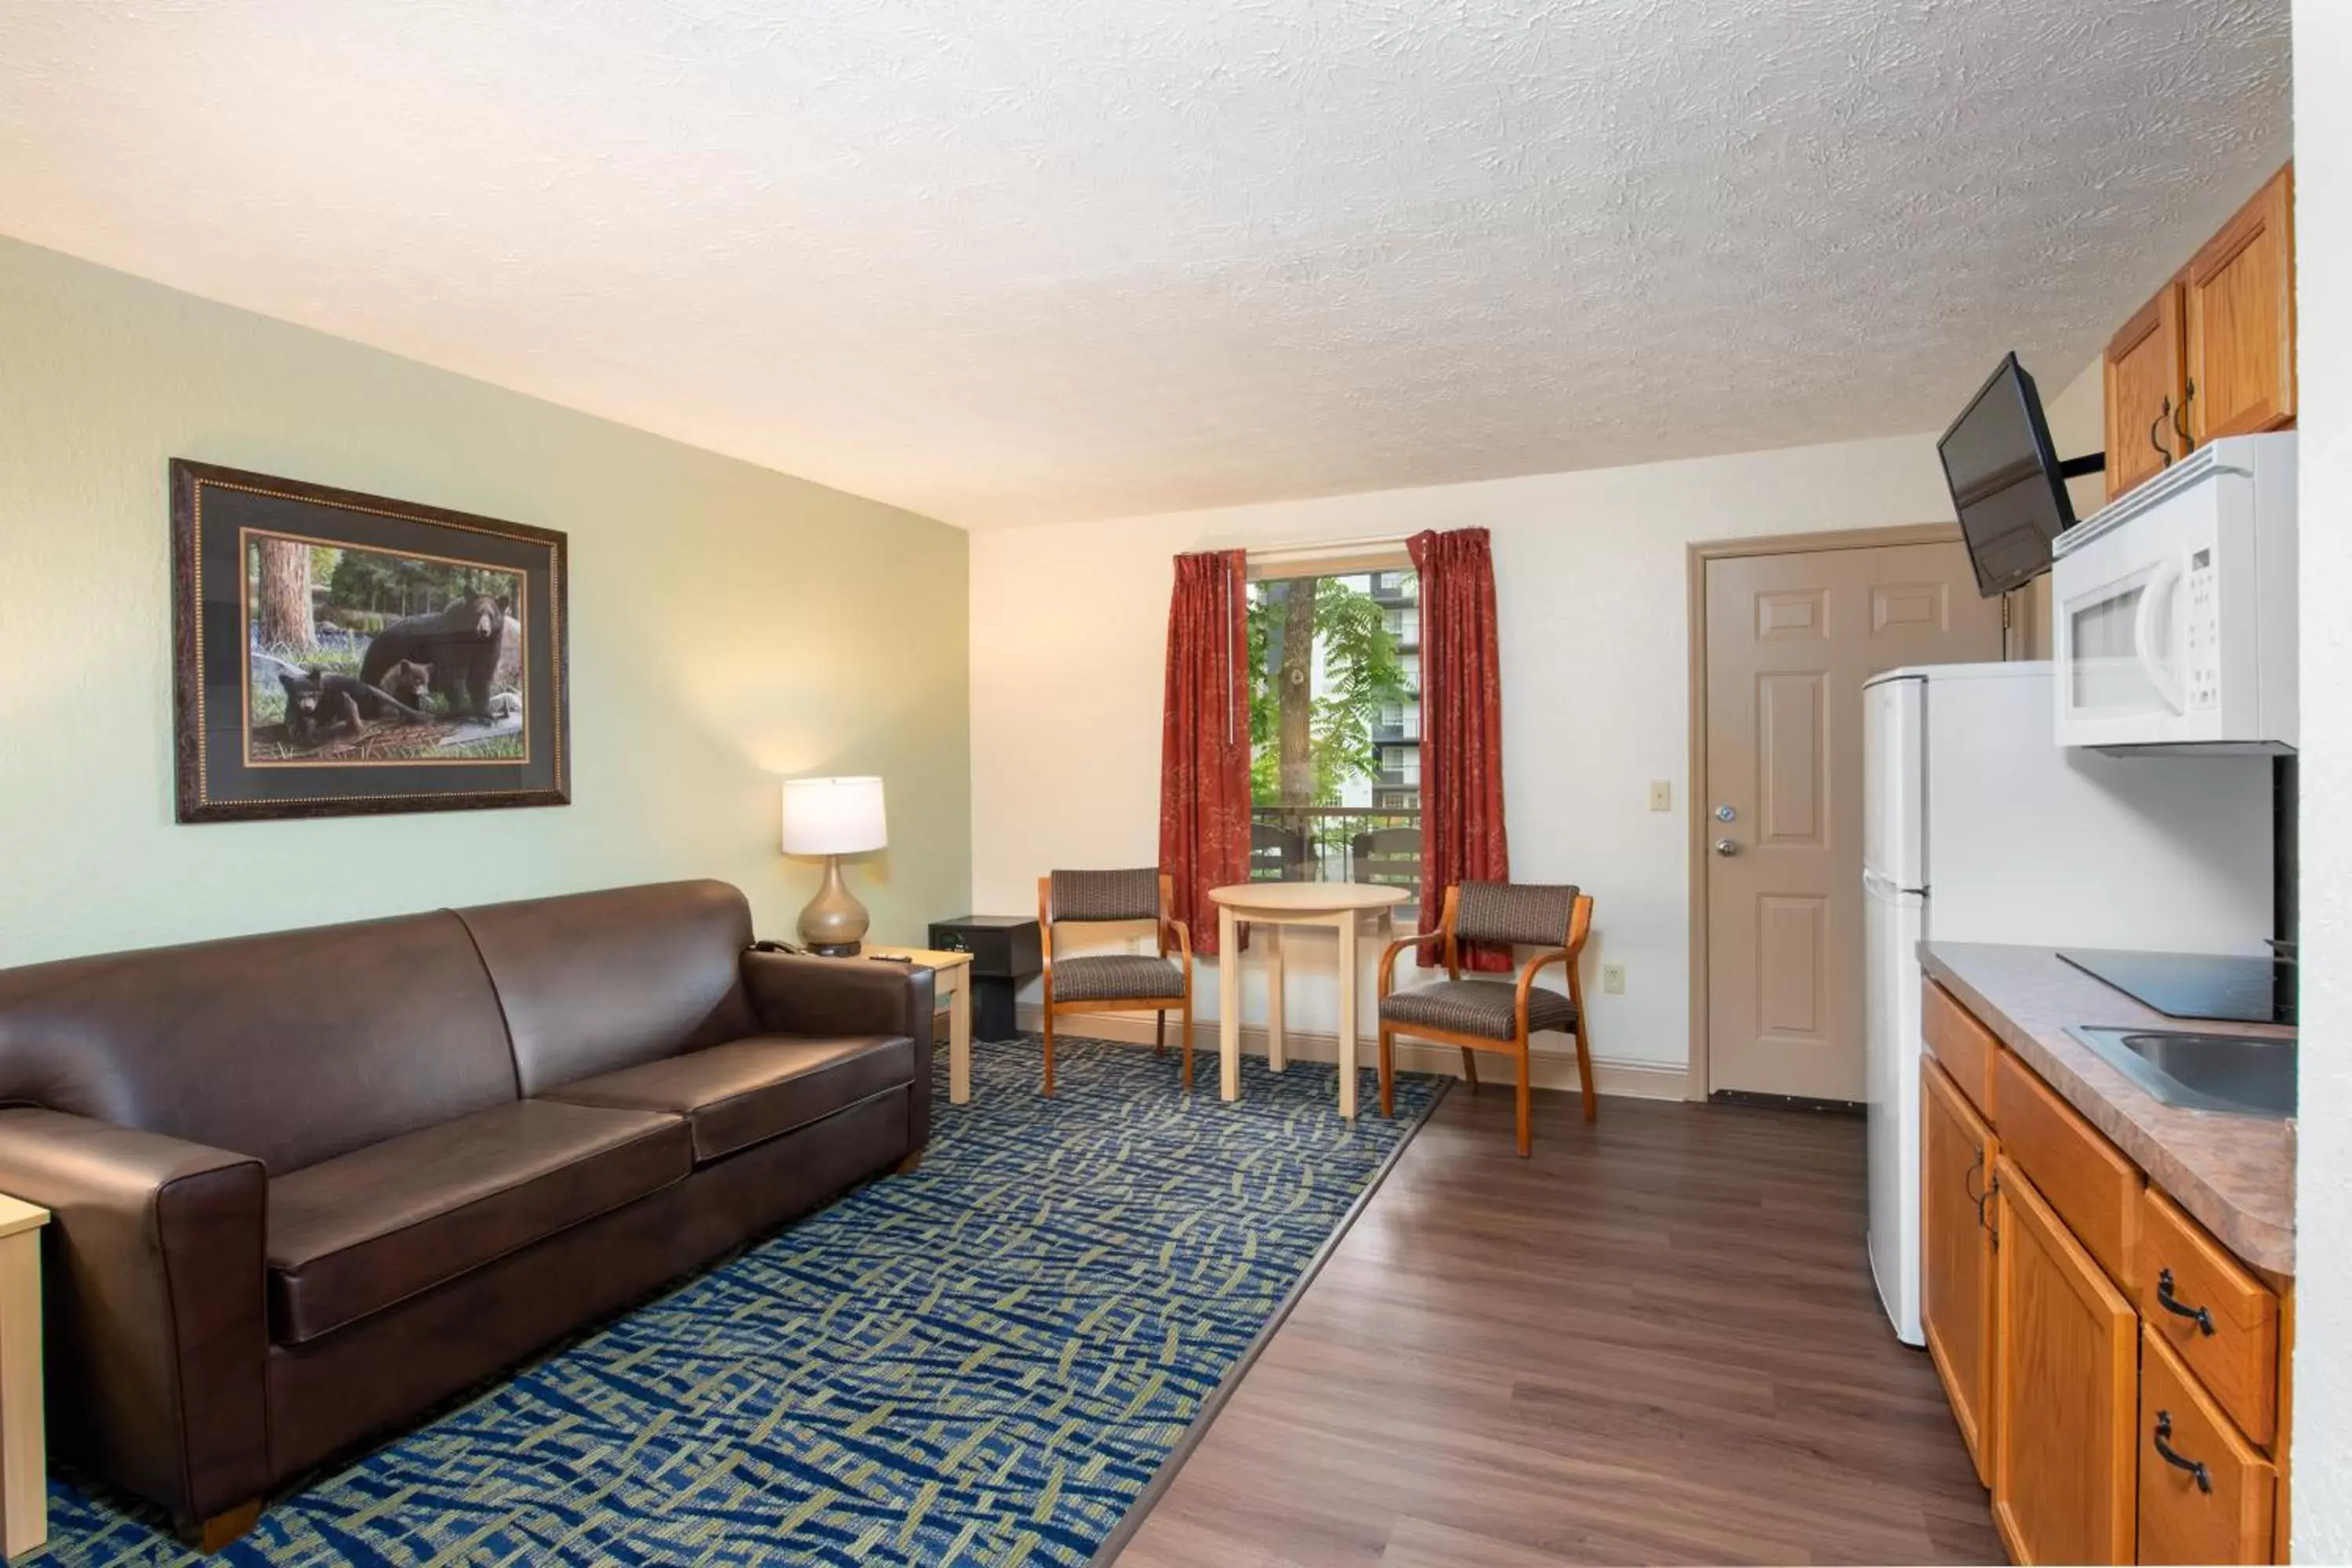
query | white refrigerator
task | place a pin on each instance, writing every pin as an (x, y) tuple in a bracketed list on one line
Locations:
[(1978, 827)]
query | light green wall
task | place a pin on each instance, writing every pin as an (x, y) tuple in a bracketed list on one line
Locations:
[(730, 626)]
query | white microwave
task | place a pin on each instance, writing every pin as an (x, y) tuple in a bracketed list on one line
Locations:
[(2174, 609)]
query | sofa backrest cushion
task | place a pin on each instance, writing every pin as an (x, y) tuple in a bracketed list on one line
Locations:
[(596, 982), (291, 1048)]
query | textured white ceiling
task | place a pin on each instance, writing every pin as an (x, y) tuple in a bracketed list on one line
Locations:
[(1010, 261)]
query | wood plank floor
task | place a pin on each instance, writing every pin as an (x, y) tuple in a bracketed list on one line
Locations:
[(1654, 1342)]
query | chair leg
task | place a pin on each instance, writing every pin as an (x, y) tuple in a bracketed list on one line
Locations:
[(1584, 1072), (1185, 1024), (1527, 1102), (1388, 1072), (1470, 1068), (1049, 1049), (1160, 1033)]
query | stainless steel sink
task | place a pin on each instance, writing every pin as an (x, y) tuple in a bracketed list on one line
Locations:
[(2243, 1074)]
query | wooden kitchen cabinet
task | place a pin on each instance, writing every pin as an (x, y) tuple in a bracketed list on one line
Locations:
[(1956, 1306), (2206, 1494), (2065, 1390), (2146, 383), (2078, 1308), (2239, 319), (2213, 353)]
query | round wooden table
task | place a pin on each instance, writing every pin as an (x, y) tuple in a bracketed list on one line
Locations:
[(1270, 906)]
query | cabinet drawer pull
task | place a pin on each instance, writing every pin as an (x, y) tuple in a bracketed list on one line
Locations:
[(2163, 1298), (2178, 1461)]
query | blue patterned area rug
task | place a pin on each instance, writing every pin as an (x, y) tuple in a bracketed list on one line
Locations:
[(983, 1363)]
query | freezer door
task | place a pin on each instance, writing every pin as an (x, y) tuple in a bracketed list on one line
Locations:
[(1891, 923), (1894, 742)]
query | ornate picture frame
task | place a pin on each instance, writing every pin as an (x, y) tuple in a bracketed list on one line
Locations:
[(339, 654)]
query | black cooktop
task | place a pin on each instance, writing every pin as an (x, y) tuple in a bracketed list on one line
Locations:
[(2237, 990)]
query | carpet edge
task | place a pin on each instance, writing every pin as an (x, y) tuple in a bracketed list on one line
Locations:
[(1174, 1464)]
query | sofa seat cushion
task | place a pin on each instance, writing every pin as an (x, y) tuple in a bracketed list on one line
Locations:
[(354, 1235), (751, 1090)]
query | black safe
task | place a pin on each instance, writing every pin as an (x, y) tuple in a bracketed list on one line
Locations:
[(1005, 951)]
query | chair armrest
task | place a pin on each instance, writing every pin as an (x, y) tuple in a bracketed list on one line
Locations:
[(1183, 939), (157, 1321), (1389, 954), (797, 996), (1527, 979)]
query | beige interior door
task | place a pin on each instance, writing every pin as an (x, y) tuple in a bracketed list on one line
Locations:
[(1789, 640)]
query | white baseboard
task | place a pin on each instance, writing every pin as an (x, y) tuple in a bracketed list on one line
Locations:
[(1549, 1069)]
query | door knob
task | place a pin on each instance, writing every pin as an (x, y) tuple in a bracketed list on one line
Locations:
[(1726, 847)]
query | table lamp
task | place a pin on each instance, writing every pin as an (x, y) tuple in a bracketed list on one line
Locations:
[(833, 817)]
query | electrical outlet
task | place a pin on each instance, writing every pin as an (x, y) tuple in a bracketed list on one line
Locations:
[(1662, 795), (1612, 978)]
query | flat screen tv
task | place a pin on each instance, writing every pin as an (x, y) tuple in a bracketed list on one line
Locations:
[(2006, 479)]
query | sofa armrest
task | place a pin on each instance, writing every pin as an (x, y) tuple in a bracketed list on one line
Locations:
[(157, 1325), (798, 996)]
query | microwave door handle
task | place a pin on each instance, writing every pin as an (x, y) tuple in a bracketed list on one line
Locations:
[(2158, 594)]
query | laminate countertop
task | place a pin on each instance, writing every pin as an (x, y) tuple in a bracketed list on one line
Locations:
[(2235, 1175)]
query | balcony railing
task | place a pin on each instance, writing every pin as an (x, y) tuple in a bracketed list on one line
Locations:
[(1336, 844)]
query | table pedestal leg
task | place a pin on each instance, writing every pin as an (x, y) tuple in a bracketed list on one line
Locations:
[(1348, 1015), (1277, 1050), (960, 1040), (1229, 1006)]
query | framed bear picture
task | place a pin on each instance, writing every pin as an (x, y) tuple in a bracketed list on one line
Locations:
[(338, 654)]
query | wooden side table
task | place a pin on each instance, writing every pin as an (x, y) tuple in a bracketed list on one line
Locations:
[(1268, 907), (953, 985), (23, 1439)]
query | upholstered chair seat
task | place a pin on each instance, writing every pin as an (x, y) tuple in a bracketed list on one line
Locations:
[(1488, 1008), (1117, 977)]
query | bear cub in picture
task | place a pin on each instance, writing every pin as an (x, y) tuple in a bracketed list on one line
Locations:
[(318, 704)]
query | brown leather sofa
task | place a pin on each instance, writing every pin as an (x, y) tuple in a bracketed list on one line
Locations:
[(307, 1184)]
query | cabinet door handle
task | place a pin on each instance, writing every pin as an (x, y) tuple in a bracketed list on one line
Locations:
[(2158, 422), (2165, 1299), (1967, 1185), (2172, 1457), (2180, 415)]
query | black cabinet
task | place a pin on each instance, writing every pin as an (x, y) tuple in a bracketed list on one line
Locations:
[(1005, 951)]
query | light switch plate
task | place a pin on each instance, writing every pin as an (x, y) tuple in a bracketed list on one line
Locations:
[(1662, 795), (1612, 978)]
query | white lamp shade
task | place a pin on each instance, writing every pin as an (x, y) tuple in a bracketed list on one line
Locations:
[(833, 817)]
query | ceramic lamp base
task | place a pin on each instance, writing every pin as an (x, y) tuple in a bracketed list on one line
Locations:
[(834, 922)]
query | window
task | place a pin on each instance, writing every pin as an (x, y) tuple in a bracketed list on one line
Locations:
[(1335, 723)]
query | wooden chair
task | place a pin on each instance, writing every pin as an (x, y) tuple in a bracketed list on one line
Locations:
[(1277, 854), (1494, 1015), (1387, 856), (1115, 982)]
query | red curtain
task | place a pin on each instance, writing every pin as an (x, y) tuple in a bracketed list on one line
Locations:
[(1462, 837), (1204, 743)]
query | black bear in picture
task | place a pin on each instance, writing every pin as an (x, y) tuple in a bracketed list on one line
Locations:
[(408, 682), (461, 644), (317, 704)]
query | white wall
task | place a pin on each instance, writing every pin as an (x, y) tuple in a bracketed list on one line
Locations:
[(1069, 627), (728, 626), (2323, 219)]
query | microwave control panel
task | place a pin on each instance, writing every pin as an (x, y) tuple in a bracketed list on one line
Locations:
[(2201, 660)]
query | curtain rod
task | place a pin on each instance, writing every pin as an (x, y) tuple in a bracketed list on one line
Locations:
[(1334, 546)]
